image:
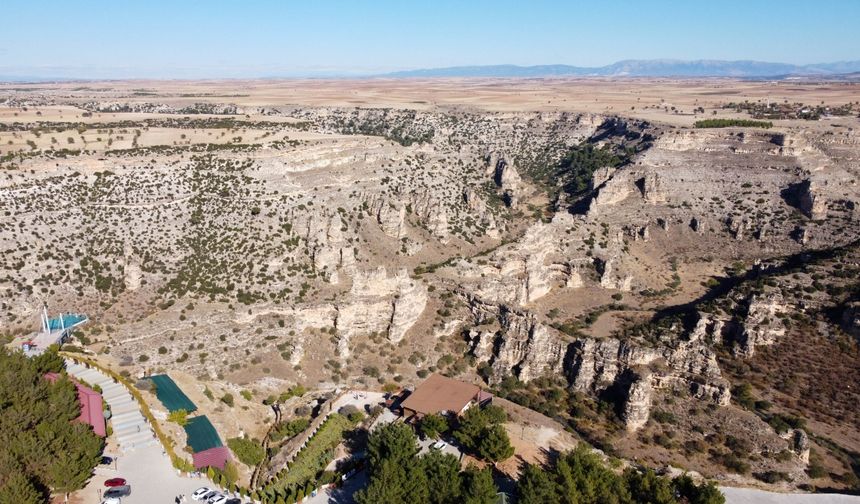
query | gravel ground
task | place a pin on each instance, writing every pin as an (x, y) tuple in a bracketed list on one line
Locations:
[(751, 496)]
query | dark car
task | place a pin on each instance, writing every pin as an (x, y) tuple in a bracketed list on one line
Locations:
[(234, 501), (107, 460), (115, 482), (119, 491)]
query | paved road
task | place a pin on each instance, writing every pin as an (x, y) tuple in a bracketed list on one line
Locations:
[(751, 496)]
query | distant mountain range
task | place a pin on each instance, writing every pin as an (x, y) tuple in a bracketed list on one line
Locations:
[(643, 68), (742, 69)]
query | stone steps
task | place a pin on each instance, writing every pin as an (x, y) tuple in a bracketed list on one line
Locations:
[(127, 421), (129, 440)]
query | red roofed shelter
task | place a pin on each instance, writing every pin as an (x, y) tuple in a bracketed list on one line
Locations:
[(91, 405)]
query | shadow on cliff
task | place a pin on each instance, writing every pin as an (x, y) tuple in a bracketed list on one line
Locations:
[(688, 311)]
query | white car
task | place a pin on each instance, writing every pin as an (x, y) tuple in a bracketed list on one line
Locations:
[(112, 500), (438, 445), (220, 500), (200, 492), (213, 497)]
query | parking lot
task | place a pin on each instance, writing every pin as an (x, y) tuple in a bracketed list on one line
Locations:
[(149, 473)]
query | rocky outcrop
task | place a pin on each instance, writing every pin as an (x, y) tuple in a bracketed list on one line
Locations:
[(506, 178), (407, 306), (609, 278), (477, 204), (637, 407), (525, 271), (391, 218), (652, 188), (762, 324), (800, 444), (327, 243), (380, 303), (481, 344), (601, 176), (616, 189), (528, 349), (132, 272), (811, 202), (432, 214)]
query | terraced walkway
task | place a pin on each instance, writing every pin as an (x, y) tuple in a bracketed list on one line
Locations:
[(129, 425)]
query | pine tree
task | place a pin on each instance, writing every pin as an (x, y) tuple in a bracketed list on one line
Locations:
[(494, 444), (20, 490), (442, 471), (432, 426), (478, 486), (394, 441), (49, 361), (536, 487)]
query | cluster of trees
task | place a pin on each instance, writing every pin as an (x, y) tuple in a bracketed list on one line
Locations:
[(480, 431), (581, 476), (726, 123), (43, 450), (397, 474), (577, 167)]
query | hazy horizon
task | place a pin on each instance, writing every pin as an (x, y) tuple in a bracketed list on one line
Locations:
[(339, 39)]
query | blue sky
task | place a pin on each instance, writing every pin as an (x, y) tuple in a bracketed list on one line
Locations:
[(214, 38)]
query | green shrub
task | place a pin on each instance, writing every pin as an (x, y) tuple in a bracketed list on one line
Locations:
[(248, 451)]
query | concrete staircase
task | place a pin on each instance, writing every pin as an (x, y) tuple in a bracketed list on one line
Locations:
[(129, 425)]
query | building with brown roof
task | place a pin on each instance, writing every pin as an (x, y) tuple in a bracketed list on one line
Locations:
[(442, 395)]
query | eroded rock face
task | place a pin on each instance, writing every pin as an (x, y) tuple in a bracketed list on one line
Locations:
[(528, 346), (800, 444), (528, 349), (380, 303), (408, 305), (506, 177), (133, 275), (528, 270), (614, 190), (637, 408), (653, 190), (812, 203), (433, 214), (762, 324), (327, 244), (391, 218)]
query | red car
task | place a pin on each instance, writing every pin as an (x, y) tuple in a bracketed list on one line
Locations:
[(115, 482)]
